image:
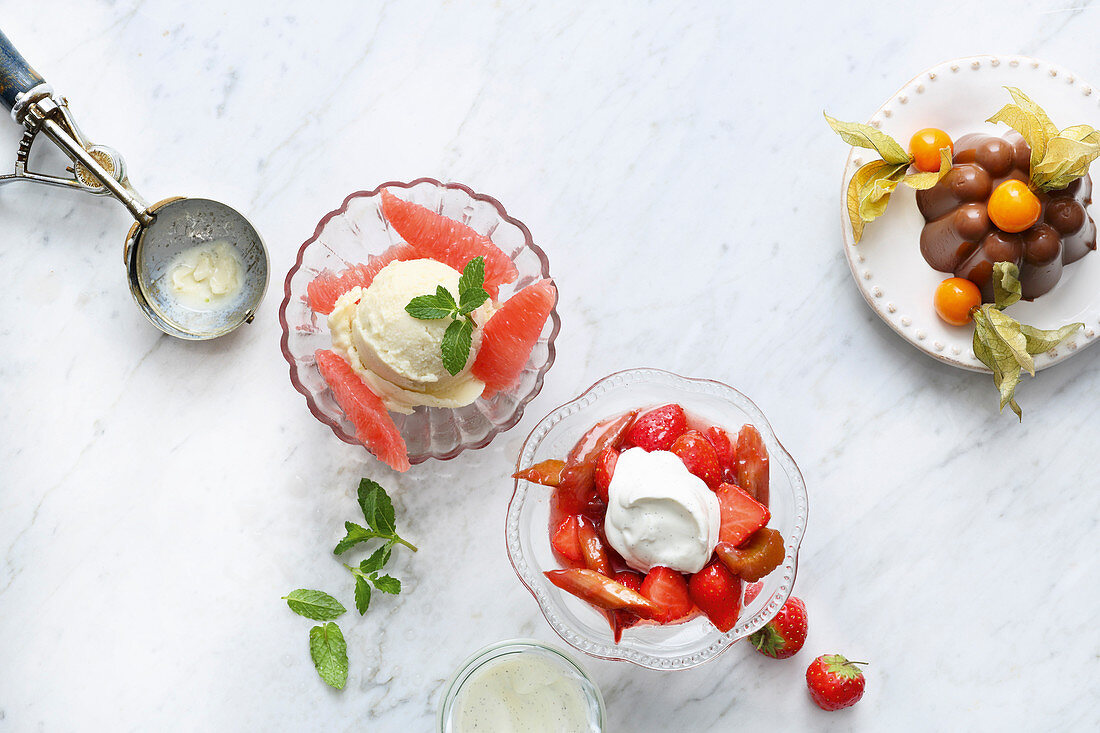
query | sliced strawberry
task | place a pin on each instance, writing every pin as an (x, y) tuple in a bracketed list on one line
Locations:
[(566, 542), (741, 514), (668, 589), (717, 593), (752, 590), (602, 592), (592, 547), (656, 429), (547, 473), (622, 620), (605, 467), (630, 579), (756, 558), (595, 508), (723, 448), (699, 456), (752, 463)]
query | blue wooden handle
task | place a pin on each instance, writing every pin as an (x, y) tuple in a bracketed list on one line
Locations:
[(16, 75)]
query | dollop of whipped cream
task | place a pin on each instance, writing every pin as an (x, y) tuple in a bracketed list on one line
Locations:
[(659, 513)]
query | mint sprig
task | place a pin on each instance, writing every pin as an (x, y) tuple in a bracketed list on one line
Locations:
[(381, 524), (378, 511), (459, 336), (327, 646)]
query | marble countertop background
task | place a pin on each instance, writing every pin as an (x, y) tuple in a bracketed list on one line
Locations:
[(158, 497)]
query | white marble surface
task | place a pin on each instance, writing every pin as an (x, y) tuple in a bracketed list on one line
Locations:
[(158, 497)]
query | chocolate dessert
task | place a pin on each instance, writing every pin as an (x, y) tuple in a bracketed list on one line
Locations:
[(958, 236)]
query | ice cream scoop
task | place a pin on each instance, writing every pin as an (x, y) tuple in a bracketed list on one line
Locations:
[(161, 232), (397, 355)]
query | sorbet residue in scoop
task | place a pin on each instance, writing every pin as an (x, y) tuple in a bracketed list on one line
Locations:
[(206, 276)]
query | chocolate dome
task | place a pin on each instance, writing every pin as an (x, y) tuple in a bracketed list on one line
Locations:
[(959, 238)]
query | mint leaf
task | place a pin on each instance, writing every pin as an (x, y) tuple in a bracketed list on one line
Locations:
[(377, 560), (471, 300), (473, 275), (388, 584), (457, 340), (471, 290), (329, 652), (428, 308), (355, 535), (314, 604), (377, 507), (362, 594), (445, 298)]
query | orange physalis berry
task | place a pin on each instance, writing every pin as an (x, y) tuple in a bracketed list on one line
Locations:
[(954, 299), (1013, 207), (925, 148)]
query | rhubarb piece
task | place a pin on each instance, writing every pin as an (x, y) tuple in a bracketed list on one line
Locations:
[(756, 558), (602, 592)]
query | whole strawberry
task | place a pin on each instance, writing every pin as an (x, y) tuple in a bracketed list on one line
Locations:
[(835, 682), (785, 634)]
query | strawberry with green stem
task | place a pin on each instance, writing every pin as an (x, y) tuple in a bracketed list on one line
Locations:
[(835, 682), (784, 635)]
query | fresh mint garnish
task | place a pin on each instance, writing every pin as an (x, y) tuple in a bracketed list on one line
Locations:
[(381, 524), (326, 642), (458, 338), (388, 584), (378, 512), (314, 604), (330, 654)]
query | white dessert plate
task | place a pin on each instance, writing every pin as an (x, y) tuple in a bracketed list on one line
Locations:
[(957, 97)]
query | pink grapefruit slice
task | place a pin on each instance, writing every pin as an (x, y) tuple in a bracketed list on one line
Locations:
[(373, 424), (325, 289), (511, 334), (448, 241)]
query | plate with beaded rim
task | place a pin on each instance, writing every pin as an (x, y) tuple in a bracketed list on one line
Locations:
[(958, 96)]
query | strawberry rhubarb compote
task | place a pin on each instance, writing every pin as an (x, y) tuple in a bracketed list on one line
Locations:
[(660, 516)]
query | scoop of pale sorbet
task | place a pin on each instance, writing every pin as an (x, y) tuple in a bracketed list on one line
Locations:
[(397, 355)]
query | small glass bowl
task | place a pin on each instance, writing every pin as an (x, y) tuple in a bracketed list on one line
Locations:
[(348, 236), (527, 533), (569, 667)]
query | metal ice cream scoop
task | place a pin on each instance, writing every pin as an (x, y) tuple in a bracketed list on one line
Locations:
[(162, 231)]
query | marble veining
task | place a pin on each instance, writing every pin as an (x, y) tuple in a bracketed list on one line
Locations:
[(158, 497)]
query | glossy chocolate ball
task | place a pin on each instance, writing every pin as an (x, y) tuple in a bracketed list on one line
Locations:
[(968, 182), (1042, 245), (1065, 215)]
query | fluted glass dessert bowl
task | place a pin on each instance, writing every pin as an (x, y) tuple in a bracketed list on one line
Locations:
[(357, 230), (527, 532)]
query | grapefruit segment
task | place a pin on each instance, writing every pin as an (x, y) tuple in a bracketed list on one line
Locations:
[(373, 424), (325, 289), (448, 241), (510, 335)]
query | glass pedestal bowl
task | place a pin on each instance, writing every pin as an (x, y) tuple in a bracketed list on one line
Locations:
[(527, 531), (357, 230)]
